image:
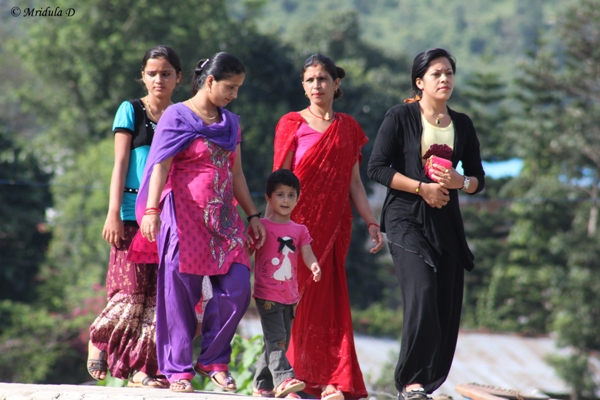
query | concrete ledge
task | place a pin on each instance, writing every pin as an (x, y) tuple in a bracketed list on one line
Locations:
[(22, 391)]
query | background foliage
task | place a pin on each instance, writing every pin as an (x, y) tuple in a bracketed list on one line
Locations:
[(528, 75)]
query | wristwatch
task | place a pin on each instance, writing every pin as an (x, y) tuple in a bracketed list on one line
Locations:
[(466, 183)]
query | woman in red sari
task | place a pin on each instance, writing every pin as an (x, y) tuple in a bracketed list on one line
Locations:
[(323, 148)]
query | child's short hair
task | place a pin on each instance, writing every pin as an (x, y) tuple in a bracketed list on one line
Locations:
[(282, 177)]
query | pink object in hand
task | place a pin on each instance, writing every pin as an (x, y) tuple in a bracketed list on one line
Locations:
[(428, 168)]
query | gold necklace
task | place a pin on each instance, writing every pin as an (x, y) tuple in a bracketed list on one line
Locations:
[(202, 115), (325, 118), (438, 119), (150, 111)]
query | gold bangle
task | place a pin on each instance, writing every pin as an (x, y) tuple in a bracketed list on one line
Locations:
[(418, 189)]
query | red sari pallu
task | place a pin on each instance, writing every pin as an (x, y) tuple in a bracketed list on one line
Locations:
[(322, 343)]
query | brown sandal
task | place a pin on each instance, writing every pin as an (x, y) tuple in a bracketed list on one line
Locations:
[(228, 384), (97, 364), (147, 382)]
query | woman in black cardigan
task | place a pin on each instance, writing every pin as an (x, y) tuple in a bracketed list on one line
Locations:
[(422, 219)]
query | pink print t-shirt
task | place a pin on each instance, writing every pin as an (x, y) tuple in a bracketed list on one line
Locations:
[(276, 262)]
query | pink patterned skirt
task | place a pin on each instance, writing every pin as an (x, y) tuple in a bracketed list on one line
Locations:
[(126, 329)]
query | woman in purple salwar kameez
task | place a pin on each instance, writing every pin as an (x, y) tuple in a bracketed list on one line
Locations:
[(187, 206)]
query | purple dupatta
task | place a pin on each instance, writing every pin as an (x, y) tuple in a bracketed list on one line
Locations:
[(178, 127)]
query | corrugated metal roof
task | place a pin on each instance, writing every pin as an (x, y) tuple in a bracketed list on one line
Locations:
[(505, 360)]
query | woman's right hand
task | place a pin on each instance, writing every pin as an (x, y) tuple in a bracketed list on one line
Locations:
[(114, 230), (434, 194), (150, 226)]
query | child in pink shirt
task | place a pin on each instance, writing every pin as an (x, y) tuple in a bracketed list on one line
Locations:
[(276, 286)]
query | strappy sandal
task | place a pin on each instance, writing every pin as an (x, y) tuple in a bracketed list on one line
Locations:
[(290, 385), (147, 382), (185, 386), (212, 375), (97, 364)]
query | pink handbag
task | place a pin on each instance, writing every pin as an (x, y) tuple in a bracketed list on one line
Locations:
[(429, 169)]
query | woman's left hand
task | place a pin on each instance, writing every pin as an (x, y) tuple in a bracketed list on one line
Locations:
[(376, 237), (448, 177), (258, 232), (150, 226)]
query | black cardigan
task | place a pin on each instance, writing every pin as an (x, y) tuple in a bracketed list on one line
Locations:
[(407, 219)]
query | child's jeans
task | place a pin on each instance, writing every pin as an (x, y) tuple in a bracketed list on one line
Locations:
[(273, 366)]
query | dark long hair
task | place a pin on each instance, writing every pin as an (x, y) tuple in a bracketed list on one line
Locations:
[(330, 67), (220, 65), (421, 65), (165, 52)]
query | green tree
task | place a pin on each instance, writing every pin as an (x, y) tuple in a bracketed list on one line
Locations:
[(471, 29), (37, 346), (83, 81), (486, 216), (487, 220), (550, 278), (485, 95), (24, 198), (78, 256), (24, 184)]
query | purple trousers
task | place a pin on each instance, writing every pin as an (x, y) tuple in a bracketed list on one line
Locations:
[(176, 320)]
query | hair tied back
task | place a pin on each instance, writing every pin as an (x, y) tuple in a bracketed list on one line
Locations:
[(199, 69)]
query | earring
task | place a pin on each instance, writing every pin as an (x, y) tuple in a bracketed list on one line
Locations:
[(305, 95)]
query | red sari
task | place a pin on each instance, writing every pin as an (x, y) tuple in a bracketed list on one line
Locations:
[(321, 349)]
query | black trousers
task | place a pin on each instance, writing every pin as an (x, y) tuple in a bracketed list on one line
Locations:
[(432, 303), (273, 367)]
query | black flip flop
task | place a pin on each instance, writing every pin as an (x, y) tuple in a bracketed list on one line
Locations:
[(146, 382)]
